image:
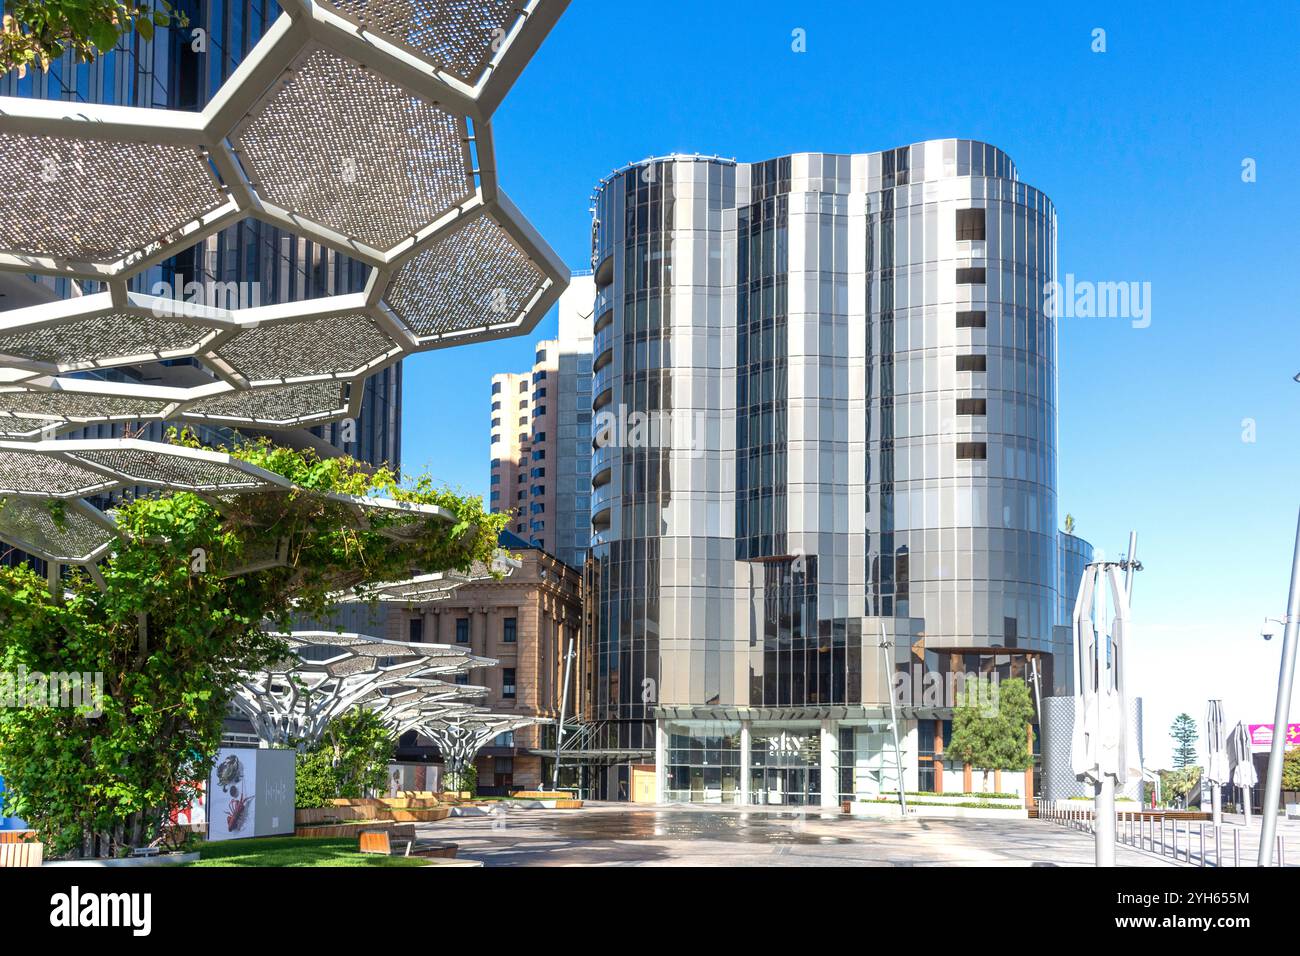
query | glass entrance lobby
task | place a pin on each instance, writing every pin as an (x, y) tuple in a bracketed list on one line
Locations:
[(758, 763)]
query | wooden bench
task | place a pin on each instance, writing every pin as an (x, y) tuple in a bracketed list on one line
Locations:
[(401, 841)]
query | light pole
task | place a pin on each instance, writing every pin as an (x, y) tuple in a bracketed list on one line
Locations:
[(1282, 711)]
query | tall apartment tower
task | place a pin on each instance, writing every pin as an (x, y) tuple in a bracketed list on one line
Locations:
[(852, 488), (541, 435)]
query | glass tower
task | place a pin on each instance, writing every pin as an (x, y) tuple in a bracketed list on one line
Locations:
[(824, 397)]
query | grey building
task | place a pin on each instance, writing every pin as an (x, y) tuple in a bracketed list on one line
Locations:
[(849, 373)]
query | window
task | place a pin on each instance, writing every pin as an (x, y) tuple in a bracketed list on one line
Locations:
[(415, 629), (496, 479), (971, 406), (970, 320), (508, 682), (972, 450), (496, 406), (496, 496), (971, 275), (496, 423), (462, 630), (970, 224), (1009, 632), (462, 679), (540, 393), (972, 363), (496, 388), (541, 355), (506, 739), (539, 376), (523, 438), (539, 436), (523, 386), (510, 630), (540, 454)]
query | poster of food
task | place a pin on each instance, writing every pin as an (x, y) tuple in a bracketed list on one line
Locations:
[(231, 793)]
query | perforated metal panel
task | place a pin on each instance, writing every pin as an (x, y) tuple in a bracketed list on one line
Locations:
[(275, 404), (77, 406), (102, 337), (67, 534), (328, 346), (29, 473), (458, 36), (146, 467), (346, 148), (98, 200), (469, 279)]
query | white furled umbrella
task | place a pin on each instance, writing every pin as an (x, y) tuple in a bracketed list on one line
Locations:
[(1216, 743), (1104, 750), (1242, 763)]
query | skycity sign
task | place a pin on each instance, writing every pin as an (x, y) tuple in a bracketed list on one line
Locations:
[(1261, 736)]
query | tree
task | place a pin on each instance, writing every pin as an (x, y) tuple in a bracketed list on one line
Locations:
[(168, 631), (989, 725), (350, 761), (1069, 524), (1291, 770), (1177, 785), (40, 31), (1183, 730)]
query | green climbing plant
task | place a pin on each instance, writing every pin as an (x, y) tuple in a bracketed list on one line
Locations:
[(177, 614)]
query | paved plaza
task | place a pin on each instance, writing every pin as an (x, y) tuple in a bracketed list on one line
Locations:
[(633, 835)]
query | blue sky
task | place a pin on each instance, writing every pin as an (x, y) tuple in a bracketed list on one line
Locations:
[(1140, 148)]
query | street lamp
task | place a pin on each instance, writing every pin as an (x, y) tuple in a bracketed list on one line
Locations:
[(1282, 711)]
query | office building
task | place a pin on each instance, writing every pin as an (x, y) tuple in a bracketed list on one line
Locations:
[(824, 390)]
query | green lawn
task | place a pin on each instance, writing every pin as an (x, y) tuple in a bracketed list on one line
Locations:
[(295, 851)]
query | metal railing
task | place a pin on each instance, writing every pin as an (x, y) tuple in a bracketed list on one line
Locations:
[(1194, 842)]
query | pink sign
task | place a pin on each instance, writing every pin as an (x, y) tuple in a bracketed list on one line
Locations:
[(1261, 735)]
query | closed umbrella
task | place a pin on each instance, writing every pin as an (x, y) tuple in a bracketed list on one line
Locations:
[(1242, 761), (1217, 744)]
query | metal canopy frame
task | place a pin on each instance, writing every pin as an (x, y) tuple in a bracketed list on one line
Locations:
[(291, 702), (357, 124)]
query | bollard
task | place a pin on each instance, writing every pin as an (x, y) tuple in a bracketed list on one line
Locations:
[(1218, 846)]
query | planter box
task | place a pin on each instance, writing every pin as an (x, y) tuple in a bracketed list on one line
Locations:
[(418, 814)]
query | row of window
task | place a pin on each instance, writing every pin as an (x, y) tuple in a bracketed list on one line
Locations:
[(970, 227), (509, 630)]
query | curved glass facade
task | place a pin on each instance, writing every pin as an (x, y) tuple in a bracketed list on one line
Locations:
[(856, 371)]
